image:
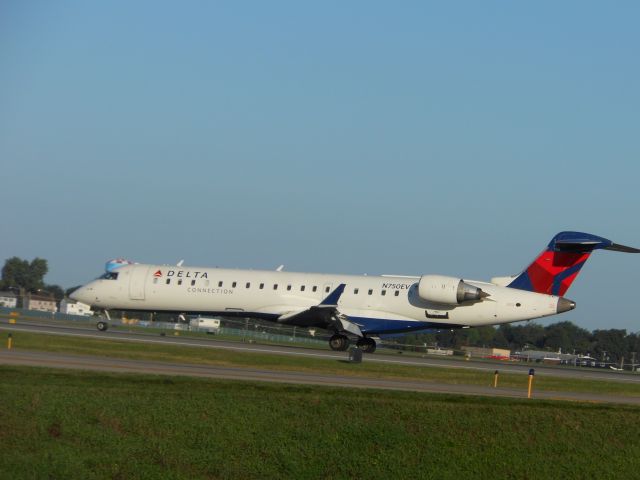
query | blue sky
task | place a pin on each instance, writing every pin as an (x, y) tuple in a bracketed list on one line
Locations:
[(349, 137)]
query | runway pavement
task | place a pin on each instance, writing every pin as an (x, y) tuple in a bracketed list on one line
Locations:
[(120, 334), (102, 364)]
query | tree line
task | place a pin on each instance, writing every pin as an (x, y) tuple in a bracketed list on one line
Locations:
[(24, 277)]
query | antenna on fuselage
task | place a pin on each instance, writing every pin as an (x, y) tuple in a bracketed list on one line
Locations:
[(279, 269), (179, 264)]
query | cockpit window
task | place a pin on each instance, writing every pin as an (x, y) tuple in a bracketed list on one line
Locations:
[(109, 276)]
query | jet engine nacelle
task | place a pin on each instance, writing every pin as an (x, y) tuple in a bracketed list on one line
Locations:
[(448, 290)]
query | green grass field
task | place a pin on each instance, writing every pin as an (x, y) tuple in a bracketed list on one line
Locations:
[(67, 425), (209, 356)]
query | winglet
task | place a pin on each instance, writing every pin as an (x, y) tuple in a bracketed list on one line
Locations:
[(333, 297)]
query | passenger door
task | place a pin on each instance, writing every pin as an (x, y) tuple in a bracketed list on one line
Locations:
[(137, 282)]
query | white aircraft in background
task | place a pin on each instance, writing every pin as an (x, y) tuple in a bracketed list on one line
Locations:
[(352, 306)]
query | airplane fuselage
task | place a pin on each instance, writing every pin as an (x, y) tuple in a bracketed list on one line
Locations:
[(376, 304)]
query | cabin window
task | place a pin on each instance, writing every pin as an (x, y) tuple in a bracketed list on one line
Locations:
[(168, 281), (397, 293), (247, 285), (233, 285), (219, 284), (314, 288), (261, 286), (193, 282), (384, 292), (302, 288), (355, 291), (275, 286), (370, 292), (109, 276), (180, 282), (326, 289), (288, 287)]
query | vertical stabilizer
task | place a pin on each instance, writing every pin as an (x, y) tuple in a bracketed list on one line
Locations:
[(558, 265)]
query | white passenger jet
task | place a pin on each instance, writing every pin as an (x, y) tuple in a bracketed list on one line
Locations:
[(353, 307)]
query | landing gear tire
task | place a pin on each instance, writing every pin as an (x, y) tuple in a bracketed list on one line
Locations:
[(367, 345), (102, 326), (339, 342)]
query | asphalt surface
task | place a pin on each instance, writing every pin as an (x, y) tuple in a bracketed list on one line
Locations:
[(102, 364), (85, 362)]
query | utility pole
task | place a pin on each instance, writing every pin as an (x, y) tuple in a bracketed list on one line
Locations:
[(633, 361)]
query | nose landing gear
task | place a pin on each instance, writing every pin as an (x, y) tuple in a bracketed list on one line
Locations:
[(103, 325)]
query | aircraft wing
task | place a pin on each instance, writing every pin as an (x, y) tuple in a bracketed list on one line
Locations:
[(324, 315)]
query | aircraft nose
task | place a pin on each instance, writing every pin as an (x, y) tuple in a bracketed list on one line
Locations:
[(81, 294), (74, 295)]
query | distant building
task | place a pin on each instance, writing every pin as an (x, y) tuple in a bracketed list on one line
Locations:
[(40, 303), (543, 356), (8, 300), (556, 358), (480, 352), (72, 307), (439, 351)]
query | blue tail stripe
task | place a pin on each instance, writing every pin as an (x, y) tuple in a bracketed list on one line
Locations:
[(557, 281), (522, 282)]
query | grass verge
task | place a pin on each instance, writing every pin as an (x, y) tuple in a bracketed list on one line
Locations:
[(61, 424)]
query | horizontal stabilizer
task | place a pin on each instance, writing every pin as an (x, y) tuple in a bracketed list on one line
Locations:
[(622, 248), (585, 242)]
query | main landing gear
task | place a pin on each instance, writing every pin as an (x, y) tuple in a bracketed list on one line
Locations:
[(367, 345), (340, 343)]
